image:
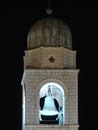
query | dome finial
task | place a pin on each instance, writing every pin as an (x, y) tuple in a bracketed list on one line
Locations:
[(49, 10)]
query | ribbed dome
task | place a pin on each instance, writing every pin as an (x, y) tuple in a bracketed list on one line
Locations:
[(49, 32)]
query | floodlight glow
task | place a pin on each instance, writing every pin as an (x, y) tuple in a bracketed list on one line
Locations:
[(51, 92), (48, 113)]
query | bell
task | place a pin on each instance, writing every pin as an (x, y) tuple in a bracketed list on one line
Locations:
[(49, 108)]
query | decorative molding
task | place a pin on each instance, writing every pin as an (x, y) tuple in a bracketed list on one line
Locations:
[(52, 126)]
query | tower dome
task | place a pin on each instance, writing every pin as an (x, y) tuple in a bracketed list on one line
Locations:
[(49, 32)]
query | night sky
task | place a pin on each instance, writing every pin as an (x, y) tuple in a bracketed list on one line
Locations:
[(16, 23)]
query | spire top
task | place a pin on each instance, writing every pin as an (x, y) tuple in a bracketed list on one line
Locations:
[(49, 10)]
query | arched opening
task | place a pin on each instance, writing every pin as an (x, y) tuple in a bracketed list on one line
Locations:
[(52, 104)]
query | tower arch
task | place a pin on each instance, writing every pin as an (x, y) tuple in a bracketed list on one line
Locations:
[(57, 100), (63, 86)]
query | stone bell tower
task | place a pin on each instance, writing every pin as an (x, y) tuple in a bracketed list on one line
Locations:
[(50, 79)]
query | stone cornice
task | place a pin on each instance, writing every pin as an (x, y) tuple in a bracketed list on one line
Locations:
[(53, 126), (66, 49), (53, 70)]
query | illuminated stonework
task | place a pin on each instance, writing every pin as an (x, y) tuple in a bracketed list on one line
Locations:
[(50, 79), (39, 58)]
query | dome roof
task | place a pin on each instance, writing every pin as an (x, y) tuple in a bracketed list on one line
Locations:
[(49, 32)]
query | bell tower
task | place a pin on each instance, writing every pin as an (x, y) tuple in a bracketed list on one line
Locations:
[(50, 79)]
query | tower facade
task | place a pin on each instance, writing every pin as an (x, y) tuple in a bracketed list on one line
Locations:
[(50, 79)]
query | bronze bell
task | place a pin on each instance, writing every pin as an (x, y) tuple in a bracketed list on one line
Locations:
[(49, 108)]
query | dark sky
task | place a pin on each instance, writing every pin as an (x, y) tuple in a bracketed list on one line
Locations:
[(16, 23)]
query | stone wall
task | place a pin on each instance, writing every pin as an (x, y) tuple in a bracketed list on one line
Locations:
[(39, 58), (35, 78), (51, 127)]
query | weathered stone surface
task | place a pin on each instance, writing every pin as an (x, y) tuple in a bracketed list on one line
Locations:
[(33, 79), (51, 127), (40, 58), (49, 32)]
